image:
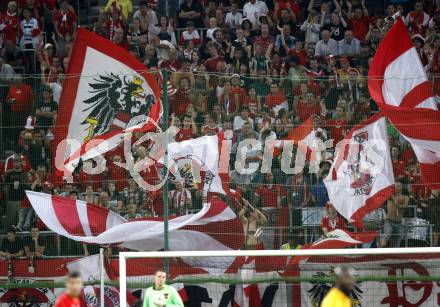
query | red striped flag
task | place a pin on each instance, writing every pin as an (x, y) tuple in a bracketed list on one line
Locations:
[(215, 227), (397, 78)]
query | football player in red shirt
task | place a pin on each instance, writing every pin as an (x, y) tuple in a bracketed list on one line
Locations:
[(70, 298)]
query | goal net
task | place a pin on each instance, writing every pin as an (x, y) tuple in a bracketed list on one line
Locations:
[(390, 277)]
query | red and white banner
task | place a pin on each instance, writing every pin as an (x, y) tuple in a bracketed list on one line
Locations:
[(375, 293), (335, 239), (198, 161), (371, 293), (361, 177), (397, 78), (214, 227), (107, 89), (420, 127)]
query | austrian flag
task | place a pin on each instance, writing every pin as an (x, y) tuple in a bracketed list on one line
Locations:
[(398, 83), (108, 92), (361, 178)]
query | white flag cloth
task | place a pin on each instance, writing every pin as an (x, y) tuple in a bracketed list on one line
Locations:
[(361, 178), (214, 227), (397, 78), (202, 153)]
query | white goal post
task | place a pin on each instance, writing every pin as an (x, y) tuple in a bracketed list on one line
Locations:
[(123, 256)]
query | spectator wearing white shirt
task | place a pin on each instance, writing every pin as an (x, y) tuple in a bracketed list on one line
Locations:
[(239, 120), (311, 28), (7, 73), (326, 46), (56, 87), (234, 17), (212, 28), (146, 16), (30, 31), (190, 34), (254, 9), (349, 46)]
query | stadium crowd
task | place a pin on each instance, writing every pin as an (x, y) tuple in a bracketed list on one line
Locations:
[(259, 68)]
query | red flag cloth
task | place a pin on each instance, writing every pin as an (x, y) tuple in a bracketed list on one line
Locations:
[(397, 78), (424, 134)]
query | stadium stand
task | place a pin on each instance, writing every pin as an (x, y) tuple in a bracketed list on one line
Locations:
[(257, 67)]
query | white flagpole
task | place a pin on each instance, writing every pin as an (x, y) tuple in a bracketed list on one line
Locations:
[(101, 293)]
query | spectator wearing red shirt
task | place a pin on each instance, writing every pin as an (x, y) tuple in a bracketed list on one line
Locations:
[(119, 38), (11, 23), (398, 164), (70, 298), (309, 86), (210, 127), (265, 40), (359, 21), (19, 100), (182, 97), (116, 174), (172, 62), (332, 220), (291, 5), (253, 102), (113, 23), (227, 101), (417, 188), (65, 21), (307, 108), (214, 59), (337, 125), (270, 195), (238, 94), (9, 163), (276, 100), (299, 52), (187, 131), (418, 20)]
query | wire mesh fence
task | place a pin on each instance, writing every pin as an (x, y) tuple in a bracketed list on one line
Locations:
[(288, 210)]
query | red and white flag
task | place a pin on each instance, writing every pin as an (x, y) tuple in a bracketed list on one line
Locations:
[(214, 227), (361, 177), (197, 161), (305, 136), (108, 92), (335, 239), (421, 127), (397, 78)]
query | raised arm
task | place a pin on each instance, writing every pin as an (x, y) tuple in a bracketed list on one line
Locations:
[(364, 8), (349, 13), (310, 7)]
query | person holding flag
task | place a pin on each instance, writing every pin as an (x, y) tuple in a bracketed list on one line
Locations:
[(160, 294)]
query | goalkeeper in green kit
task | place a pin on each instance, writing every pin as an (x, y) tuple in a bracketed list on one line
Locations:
[(160, 294)]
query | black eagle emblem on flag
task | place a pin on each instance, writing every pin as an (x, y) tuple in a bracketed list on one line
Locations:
[(114, 101)]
